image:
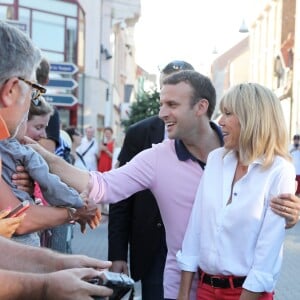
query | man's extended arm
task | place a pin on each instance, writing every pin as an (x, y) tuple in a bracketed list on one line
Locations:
[(62, 285), (37, 217), (40, 260), (72, 176), (56, 192), (19, 262), (287, 206), (42, 217)]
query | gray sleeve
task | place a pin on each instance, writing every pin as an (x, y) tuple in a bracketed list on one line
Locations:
[(56, 192)]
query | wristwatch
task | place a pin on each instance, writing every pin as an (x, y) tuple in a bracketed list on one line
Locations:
[(71, 212)]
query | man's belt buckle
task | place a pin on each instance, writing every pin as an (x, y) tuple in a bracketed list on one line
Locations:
[(212, 280)]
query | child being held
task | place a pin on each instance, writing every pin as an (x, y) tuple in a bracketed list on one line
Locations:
[(56, 192)]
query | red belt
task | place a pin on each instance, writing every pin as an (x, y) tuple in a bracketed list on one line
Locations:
[(221, 282)]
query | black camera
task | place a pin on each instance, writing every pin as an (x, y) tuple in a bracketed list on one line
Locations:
[(120, 283)]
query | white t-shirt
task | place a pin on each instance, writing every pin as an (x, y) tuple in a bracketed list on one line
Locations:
[(90, 157)]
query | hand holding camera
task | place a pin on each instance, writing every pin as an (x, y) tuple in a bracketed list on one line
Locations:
[(121, 284)]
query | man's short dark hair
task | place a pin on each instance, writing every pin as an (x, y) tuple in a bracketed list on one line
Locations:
[(108, 128), (296, 137)]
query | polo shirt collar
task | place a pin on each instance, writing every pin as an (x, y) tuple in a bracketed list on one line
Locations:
[(182, 152)]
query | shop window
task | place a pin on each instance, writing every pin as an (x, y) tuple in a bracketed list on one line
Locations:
[(71, 42), (4, 12), (53, 6), (48, 31), (278, 71)]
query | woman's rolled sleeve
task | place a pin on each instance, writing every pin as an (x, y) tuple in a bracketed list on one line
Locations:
[(187, 263), (258, 281)]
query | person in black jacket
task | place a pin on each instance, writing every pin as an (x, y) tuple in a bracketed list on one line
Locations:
[(138, 223)]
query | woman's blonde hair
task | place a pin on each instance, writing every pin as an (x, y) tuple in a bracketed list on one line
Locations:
[(263, 128)]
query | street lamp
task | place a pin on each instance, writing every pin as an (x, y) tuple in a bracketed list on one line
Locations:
[(104, 51), (215, 50)]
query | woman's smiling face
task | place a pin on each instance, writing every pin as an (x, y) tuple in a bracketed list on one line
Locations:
[(231, 129)]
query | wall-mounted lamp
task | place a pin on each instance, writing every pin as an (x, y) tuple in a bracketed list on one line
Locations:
[(123, 25), (105, 52), (243, 27), (215, 50)]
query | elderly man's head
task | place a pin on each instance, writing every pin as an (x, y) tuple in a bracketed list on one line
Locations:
[(89, 133), (19, 59)]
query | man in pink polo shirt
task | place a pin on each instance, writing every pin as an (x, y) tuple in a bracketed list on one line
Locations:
[(171, 170)]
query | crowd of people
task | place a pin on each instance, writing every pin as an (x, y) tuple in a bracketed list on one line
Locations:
[(190, 226), (29, 272), (187, 103)]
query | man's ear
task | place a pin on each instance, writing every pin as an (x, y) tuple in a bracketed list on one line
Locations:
[(9, 92), (202, 106)]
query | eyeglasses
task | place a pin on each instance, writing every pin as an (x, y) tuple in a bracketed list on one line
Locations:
[(175, 65), (37, 91)]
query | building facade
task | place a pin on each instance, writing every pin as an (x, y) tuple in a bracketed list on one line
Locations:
[(272, 52), (270, 56), (97, 39), (230, 68)]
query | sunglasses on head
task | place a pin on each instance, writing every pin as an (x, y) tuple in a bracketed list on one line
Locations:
[(175, 65)]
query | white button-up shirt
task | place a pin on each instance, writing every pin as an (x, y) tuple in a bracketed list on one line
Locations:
[(244, 238)]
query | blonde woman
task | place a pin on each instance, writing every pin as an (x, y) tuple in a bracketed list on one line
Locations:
[(234, 240)]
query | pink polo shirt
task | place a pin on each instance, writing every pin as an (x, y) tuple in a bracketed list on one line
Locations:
[(174, 184)]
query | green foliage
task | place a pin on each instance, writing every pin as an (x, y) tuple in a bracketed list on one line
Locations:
[(147, 105)]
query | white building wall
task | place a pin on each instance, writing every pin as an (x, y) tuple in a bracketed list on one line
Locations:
[(94, 89), (265, 45), (93, 27), (265, 42), (104, 77), (296, 81)]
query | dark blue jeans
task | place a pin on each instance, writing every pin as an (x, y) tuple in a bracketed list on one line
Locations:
[(152, 283), (61, 238)]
